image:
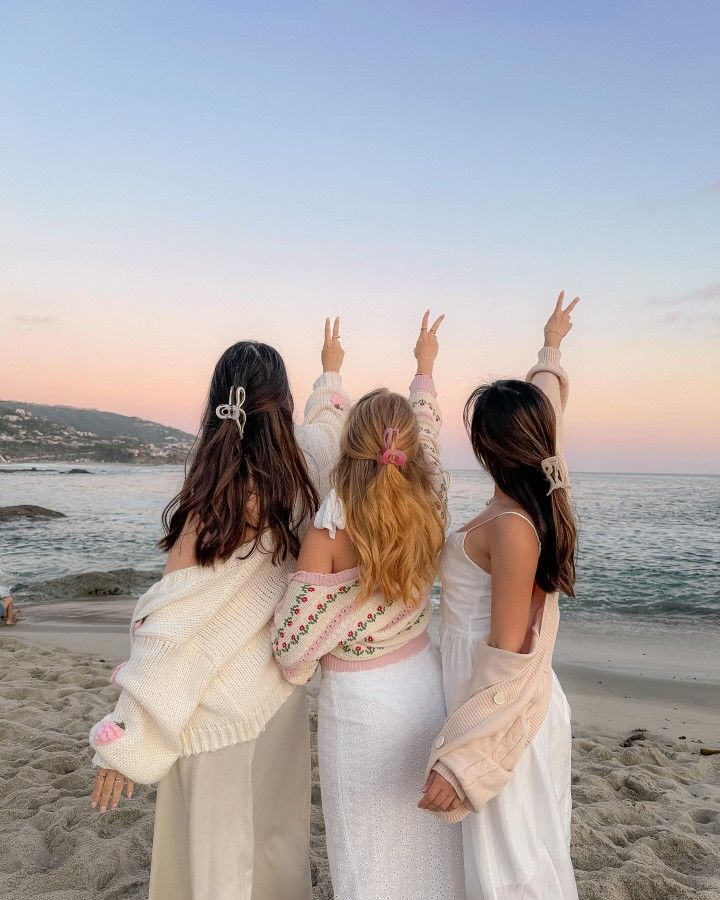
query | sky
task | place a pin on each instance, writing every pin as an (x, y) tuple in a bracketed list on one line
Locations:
[(178, 176)]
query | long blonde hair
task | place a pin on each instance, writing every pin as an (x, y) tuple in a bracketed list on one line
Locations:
[(392, 513)]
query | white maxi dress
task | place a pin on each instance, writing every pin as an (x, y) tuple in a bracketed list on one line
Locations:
[(518, 846), (374, 729)]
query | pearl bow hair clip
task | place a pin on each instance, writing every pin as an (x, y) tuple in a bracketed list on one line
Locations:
[(556, 473), (233, 409)]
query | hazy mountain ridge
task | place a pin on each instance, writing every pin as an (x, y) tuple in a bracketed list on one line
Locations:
[(35, 431)]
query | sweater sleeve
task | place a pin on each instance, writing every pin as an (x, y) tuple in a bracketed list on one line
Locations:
[(423, 400), (161, 688), (551, 378), (319, 435), (310, 621)]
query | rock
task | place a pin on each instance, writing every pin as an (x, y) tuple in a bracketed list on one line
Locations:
[(114, 583), (639, 734), (78, 472), (8, 513)]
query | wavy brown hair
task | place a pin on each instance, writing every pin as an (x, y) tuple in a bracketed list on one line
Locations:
[(512, 428), (392, 514), (236, 488)]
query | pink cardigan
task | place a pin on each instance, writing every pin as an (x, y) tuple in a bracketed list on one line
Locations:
[(508, 695)]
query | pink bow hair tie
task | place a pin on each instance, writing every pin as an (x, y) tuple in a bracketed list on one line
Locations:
[(393, 458), (389, 456)]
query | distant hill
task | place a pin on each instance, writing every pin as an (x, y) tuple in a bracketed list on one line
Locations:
[(36, 431)]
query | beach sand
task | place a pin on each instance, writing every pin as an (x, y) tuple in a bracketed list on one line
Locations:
[(646, 820)]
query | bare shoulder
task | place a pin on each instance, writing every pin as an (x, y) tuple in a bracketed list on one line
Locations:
[(513, 536), (316, 553), (182, 554)]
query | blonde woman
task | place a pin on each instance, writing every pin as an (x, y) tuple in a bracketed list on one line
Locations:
[(360, 605)]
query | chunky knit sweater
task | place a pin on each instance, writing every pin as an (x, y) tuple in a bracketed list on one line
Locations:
[(201, 674), (320, 616)]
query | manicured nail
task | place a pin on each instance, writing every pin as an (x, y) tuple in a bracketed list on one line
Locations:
[(93, 803), (114, 806), (103, 809)]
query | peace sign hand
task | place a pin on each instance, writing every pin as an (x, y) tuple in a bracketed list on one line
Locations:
[(559, 324), (332, 355), (426, 348)]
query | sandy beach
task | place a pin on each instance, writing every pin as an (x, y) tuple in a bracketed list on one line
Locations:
[(646, 821)]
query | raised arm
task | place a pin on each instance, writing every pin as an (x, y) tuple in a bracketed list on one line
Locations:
[(423, 399), (325, 411), (547, 373)]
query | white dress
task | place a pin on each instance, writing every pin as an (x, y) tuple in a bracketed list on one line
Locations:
[(518, 846), (374, 729)]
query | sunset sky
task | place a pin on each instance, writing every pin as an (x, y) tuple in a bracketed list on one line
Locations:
[(177, 176)]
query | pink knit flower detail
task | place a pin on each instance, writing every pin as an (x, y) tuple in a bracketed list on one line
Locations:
[(338, 401), (108, 732), (116, 672)]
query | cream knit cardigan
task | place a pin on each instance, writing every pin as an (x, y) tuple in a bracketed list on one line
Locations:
[(201, 674)]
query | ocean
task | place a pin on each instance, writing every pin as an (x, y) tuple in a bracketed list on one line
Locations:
[(649, 544)]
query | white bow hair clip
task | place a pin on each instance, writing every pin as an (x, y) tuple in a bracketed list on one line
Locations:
[(233, 409), (556, 473)]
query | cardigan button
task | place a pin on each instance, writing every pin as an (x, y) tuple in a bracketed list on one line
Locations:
[(439, 742), (499, 698)]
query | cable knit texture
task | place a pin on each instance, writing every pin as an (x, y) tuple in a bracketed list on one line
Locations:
[(320, 614), (201, 674)]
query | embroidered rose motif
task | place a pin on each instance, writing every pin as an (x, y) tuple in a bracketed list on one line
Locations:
[(108, 732)]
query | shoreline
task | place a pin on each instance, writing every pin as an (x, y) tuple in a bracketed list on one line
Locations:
[(667, 682)]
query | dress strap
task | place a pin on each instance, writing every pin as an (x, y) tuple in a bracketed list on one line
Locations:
[(331, 514), (508, 512)]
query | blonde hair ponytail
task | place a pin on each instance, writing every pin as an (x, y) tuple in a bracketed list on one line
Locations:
[(392, 512)]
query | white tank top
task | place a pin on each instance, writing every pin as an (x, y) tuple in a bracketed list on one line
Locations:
[(466, 588)]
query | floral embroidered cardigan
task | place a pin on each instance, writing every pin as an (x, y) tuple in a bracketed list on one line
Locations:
[(320, 614)]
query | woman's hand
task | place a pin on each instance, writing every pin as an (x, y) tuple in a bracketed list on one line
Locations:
[(559, 323), (426, 348), (440, 795), (108, 788), (332, 355)]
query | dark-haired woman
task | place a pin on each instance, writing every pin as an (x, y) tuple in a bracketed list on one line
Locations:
[(204, 710), (505, 749)]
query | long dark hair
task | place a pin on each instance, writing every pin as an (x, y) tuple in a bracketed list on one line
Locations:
[(236, 486), (512, 429)]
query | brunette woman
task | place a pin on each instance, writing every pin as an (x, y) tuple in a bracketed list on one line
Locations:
[(203, 708), (504, 751)]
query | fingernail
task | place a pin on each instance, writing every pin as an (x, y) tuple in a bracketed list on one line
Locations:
[(103, 809), (93, 803), (114, 806)]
